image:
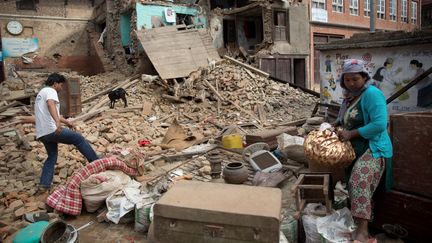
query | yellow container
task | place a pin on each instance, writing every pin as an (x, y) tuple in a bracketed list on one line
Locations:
[(232, 141)]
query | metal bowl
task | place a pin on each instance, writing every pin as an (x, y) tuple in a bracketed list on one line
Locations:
[(59, 232)]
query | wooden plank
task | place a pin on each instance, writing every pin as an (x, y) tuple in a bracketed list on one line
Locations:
[(105, 91), (12, 104), (165, 49), (176, 54), (213, 89), (248, 66), (175, 42), (88, 115), (294, 123), (169, 59), (147, 107), (262, 114), (245, 111), (17, 95)]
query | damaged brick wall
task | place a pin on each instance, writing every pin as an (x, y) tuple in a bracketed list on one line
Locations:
[(267, 24), (143, 63), (52, 8), (62, 32), (113, 43), (61, 37)]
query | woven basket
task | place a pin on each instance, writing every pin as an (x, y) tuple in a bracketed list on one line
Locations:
[(325, 148)]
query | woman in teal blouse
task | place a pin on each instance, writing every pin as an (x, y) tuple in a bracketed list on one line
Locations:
[(363, 116)]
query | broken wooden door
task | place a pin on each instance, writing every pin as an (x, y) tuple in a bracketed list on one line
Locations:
[(278, 67), (300, 71)]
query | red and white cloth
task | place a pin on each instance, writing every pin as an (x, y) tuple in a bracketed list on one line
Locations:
[(67, 199)]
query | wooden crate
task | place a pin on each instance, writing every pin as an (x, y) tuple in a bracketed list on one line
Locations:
[(312, 188), (412, 152), (70, 98)]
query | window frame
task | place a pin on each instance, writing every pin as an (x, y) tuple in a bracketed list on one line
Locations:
[(367, 8), (414, 9), (277, 27), (320, 4), (338, 6), (393, 10), (354, 7), (381, 9), (404, 11), (26, 5)]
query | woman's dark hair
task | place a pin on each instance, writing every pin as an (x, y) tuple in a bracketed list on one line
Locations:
[(363, 74), (417, 63), (54, 78)]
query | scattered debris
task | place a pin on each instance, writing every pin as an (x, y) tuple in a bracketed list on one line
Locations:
[(200, 106)]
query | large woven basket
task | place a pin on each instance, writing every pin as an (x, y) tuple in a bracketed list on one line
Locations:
[(325, 148)]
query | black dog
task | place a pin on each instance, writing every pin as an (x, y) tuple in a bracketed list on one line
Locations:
[(116, 94)]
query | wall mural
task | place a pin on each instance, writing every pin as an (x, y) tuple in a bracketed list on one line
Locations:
[(390, 69)]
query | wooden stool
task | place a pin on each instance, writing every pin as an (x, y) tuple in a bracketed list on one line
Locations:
[(312, 188)]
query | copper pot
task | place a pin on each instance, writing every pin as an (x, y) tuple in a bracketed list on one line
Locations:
[(235, 173)]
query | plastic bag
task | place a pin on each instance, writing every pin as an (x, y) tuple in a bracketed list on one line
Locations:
[(289, 228), (292, 147), (309, 221), (284, 140), (310, 228), (282, 238), (142, 211), (142, 216), (336, 227), (96, 188), (122, 201)]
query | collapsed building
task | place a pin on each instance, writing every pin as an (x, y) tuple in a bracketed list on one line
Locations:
[(195, 72), (272, 36), (178, 76)]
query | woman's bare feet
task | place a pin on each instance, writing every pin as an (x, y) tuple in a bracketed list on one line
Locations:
[(361, 234)]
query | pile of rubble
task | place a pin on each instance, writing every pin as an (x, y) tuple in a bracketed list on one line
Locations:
[(149, 114), (204, 103), (93, 84), (16, 172), (235, 86)]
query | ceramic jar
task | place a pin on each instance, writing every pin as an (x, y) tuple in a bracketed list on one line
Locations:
[(235, 173)]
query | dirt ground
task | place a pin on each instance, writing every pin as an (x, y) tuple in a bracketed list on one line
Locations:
[(124, 233)]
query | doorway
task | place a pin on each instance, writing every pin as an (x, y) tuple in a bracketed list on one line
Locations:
[(229, 33), (300, 72)]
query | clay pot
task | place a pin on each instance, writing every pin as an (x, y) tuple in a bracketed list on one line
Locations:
[(235, 173)]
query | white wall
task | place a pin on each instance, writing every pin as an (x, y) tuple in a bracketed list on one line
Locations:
[(397, 76)]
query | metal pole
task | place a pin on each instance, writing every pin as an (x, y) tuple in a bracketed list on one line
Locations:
[(372, 16)]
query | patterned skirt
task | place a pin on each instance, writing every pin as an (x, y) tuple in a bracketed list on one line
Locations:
[(365, 177)]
